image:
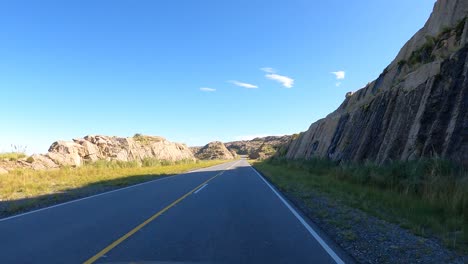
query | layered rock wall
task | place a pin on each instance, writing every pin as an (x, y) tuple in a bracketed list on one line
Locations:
[(418, 107)]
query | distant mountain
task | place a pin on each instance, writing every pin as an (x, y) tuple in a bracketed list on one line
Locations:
[(417, 107)]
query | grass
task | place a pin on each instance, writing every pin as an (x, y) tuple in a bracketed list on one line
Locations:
[(12, 156), (22, 190), (146, 140), (424, 53), (427, 197)]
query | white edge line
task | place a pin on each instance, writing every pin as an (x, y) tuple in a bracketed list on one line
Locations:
[(330, 251), (199, 189), (100, 194)]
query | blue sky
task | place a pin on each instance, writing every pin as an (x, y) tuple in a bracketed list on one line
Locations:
[(72, 68)]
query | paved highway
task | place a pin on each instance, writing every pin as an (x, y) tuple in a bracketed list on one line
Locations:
[(224, 214)]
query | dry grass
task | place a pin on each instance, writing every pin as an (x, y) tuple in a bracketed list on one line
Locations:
[(428, 197), (67, 183), (12, 156)]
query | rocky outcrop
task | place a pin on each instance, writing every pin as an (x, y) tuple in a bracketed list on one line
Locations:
[(195, 149), (258, 146), (137, 148), (214, 151), (418, 107), (93, 148), (35, 162), (263, 152)]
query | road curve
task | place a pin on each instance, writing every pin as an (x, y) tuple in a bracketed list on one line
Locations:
[(224, 214)]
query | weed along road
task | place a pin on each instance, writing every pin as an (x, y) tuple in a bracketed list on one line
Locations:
[(224, 214)]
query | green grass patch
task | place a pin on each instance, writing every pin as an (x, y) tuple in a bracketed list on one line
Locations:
[(429, 197), (146, 140), (12, 156), (26, 189)]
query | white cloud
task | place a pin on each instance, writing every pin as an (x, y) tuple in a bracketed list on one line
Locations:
[(338, 84), (206, 89), (340, 75), (284, 80), (268, 70), (245, 85)]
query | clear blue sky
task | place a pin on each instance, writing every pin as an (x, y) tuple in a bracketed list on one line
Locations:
[(72, 68)]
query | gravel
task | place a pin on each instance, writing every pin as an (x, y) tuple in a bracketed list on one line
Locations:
[(369, 239)]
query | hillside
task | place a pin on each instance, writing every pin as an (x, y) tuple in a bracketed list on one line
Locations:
[(417, 107), (213, 151), (264, 146)]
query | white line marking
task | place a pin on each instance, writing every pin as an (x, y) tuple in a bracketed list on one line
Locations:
[(199, 189), (330, 251), (105, 193)]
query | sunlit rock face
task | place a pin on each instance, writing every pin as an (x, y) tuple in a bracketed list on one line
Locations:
[(417, 107)]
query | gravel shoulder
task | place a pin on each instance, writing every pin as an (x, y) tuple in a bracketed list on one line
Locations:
[(369, 239)]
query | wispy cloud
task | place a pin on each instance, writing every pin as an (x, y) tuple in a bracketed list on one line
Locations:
[(271, 74), (206, 89), (284, 80), (268, 69), (243, 84), (340, 75), (338, 84)]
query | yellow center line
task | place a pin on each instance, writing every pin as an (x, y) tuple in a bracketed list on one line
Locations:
[(149, 220)]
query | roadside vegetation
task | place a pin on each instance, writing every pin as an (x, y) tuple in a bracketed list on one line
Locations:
[(22, 190), (428, 197), (17, 152), (12, 156)]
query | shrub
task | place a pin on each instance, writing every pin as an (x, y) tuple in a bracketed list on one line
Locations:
[(460, 27)]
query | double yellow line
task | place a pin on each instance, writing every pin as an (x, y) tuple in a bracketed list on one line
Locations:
[(149, 220)]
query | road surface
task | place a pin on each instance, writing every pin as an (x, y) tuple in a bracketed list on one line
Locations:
[(224, 214)]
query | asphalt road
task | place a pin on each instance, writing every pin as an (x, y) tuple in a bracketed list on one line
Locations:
[(224, 214)]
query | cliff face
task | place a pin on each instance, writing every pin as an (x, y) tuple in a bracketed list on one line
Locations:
[(418, 107)]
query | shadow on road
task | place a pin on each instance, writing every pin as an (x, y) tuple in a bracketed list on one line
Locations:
[(18, 206)]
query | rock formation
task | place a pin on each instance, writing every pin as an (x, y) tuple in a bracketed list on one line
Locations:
[(417, 107), (93, 148), (258, 146), (214, 151)]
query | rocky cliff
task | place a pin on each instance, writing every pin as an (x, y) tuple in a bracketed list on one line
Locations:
[(261, 146), (213, 151), (417, 107), (93, 148)]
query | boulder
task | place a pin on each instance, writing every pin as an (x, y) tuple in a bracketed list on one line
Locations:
[(66, 153), (41, 162), (3, 171)]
